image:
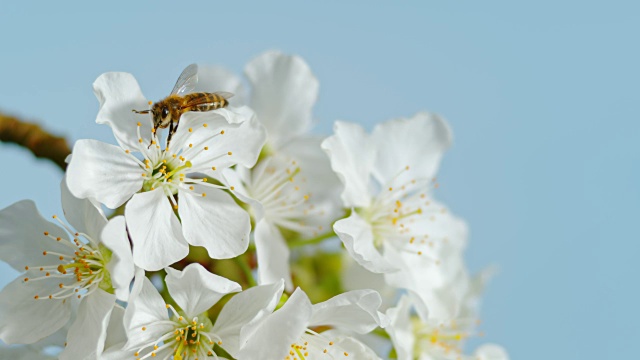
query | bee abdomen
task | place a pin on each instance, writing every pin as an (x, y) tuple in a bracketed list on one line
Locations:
[(204, 101)]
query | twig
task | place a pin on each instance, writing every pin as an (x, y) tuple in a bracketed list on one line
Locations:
[(31, 136)]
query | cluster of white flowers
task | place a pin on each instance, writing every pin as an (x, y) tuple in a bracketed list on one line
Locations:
[(247, 182)]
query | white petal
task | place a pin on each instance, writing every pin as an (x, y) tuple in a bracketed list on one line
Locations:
[(356, 277), (491, 352), (23, 353), (58, 338), (357, 236), (445, 302), (418, 142), (236, 177), (119, 93), (89, 330), (272, 337), (284, 91), (147, 310), (273, 255), (155, 231), (441, 286), (212, 78), (400, 329), (201, 129), (22, 239), (249, 306), (352, 155), (342, 343), (25, 320), (85, 216), (116, 352), (244, 141), (103, 172), (116, 333), (121, 268), (355, 310), (214, 221), (243, 137), (196, 290)]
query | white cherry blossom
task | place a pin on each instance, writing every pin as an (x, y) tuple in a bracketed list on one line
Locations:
[(388, 179), (171, 203), (288, 333), (156, 329), (280, 199), (92, 263), (417, 335)]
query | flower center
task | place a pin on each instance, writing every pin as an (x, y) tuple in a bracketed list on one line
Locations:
[(80, 272), (444, 338), (400, 212), (279, 186), (171, 171), (166, 172), (188, 339)]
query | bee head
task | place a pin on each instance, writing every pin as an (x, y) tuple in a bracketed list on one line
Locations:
[(161, 115)]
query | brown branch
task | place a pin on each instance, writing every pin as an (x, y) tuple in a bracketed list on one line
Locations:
[(31, 136)]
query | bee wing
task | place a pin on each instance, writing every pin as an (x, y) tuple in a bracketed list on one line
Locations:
[(187, 80), (224, 94)]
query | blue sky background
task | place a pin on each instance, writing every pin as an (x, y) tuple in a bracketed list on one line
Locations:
[(542, 98)]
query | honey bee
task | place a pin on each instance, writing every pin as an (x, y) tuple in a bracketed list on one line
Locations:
[(167, 112)]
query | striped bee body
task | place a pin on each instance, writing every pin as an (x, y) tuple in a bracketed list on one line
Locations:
[(203, 102)]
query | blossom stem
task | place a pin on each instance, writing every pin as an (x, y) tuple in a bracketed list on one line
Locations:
[(246, 269), (31, 136), (316, 240)]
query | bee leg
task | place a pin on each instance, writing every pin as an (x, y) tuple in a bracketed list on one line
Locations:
[(175, 128), (172, 130)]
